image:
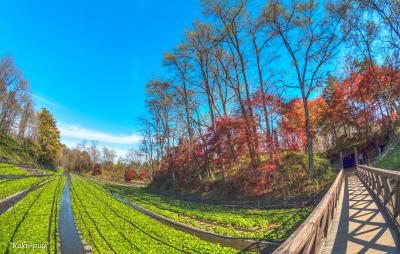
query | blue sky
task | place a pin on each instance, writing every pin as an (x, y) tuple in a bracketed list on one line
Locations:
[(87, 61)]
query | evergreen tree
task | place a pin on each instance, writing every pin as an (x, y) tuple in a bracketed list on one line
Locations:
[(329, 89), (48, 138)]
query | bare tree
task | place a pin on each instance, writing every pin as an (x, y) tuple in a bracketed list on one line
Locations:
[(147, 145), (94, 152), (27, 115), (13, 94), (179, 63), (231, 19), (389, 13), (109, 155), (311, 34), (133, 156)]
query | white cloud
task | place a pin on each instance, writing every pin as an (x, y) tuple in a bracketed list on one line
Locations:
[(120, 149), (42, 100), (120, 152), (69, 143), (77, 132)]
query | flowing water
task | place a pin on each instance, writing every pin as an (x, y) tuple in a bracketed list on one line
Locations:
[(70, 242)]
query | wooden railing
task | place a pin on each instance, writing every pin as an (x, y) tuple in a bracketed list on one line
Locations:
[(385, 184), (310, 235)]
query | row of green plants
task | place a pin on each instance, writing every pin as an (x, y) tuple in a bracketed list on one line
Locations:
[(271, 224), (12, 170), (9, 187), (56, 171), (109, 225), (33, 221), (8, 169)]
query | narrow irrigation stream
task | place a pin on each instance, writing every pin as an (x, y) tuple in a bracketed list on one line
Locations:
[(69, 238)]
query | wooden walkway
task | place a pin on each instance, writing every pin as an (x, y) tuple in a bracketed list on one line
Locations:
[(359, 226)]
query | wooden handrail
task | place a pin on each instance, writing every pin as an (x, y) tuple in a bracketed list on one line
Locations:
[(308, 238), (385, 185)]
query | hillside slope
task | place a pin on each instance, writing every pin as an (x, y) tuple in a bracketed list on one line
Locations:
[(14, 151), (390, 159)]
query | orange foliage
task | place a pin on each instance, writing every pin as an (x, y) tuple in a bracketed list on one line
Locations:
[(294, 121)]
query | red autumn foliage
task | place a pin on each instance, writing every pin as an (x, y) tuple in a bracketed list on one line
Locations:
[(353, 105), (268, 167), (373, 92), (220, 148), (272, 102), (366, 100), (228, 140), (179, 161), (293, 122), (130, 174), (256, 182), (144, 175), (96, 169)]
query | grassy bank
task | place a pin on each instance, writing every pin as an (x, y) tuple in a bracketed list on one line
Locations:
[(14, 151)]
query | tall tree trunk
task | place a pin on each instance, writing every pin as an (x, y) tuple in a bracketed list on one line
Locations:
[(263, 99), (309, 134)]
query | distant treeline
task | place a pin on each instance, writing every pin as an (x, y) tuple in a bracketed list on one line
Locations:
[(31, 138), (35, 132)]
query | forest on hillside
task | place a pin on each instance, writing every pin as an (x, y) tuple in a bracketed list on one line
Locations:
[(262, 100), (255, 101)]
